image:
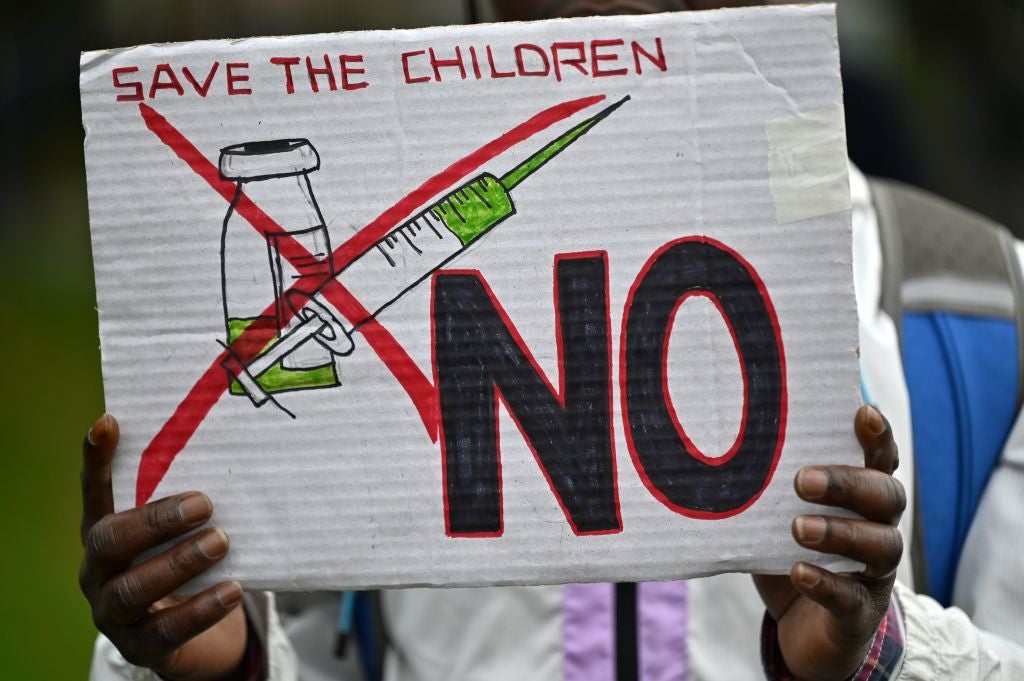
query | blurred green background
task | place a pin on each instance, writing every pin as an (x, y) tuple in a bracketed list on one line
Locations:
[(934, 97)]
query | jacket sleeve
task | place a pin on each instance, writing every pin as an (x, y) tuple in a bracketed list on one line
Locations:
[(275, 654), (943, 643), (988, 585), (983, 636)]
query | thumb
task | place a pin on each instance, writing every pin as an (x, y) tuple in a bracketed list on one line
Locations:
[(776, 592)]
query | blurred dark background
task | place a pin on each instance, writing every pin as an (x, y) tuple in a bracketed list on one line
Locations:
[(935, 97)]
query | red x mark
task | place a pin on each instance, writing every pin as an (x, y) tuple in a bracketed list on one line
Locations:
[(212, 384)]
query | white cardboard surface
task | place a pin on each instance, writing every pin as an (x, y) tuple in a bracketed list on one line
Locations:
[(703, 163)]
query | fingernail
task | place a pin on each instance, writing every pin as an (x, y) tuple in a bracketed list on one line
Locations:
[(213, 544), (194, 508), (99, 431), (807, 576), (812, 483), (875, 421), (229, 593), (810, 529)]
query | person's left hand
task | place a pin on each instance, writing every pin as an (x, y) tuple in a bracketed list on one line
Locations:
[(826, 621)]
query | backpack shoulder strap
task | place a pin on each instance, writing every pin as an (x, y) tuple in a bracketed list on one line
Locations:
[(944, 256), (953, 285)]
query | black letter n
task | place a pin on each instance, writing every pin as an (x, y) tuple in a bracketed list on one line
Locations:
[(479, 357)]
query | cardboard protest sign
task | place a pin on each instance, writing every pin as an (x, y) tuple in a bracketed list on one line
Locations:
[(524, 303)]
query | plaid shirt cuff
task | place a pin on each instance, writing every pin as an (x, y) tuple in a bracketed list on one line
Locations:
[(884, 659)]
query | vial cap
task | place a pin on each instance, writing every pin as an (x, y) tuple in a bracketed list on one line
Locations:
[(268, 159)]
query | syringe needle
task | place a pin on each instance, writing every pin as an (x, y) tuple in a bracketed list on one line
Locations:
[(513, 177)]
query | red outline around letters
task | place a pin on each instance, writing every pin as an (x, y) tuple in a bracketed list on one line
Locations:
[(694, 450), (440, 429), (558, 395), (783, 410), (561, 369)]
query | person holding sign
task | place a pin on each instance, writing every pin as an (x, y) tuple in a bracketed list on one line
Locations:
[(819, 624)]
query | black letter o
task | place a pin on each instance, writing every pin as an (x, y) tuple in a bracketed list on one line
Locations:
[(674, 471)]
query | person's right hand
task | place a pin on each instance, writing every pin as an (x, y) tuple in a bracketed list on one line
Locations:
[(201, 638)]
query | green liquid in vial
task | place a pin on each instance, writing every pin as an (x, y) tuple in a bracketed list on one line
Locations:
[(277, 378)]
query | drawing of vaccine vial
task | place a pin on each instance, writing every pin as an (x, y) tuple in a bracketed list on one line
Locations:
[(274, 175)]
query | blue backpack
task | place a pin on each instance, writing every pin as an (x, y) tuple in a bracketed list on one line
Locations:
[(952, 284)]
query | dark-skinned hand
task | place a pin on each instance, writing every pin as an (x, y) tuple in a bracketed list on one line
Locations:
[(201, 638), (826, 621)]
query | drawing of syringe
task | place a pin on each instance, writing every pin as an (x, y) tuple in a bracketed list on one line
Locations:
[(406, 256)]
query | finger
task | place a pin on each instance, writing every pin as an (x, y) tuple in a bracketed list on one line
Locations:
[(870, 493), (167, 630), (875, 436), (127, 597), (97, 452), (116, 540), (878, 546)]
